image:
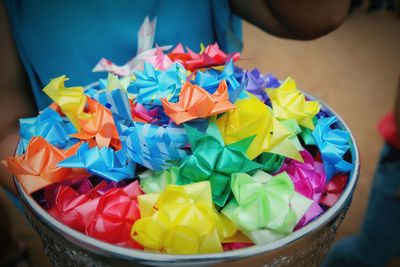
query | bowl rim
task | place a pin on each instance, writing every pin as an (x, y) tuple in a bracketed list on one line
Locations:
[(103, 248)]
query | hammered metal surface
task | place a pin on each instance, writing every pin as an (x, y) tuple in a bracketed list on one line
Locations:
[(63, 253)]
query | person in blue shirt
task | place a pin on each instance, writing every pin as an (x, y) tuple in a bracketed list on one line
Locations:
[(45, 39)]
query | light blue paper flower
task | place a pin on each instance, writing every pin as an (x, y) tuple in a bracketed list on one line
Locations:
[(153, 146), (151, 85), (51, 126), (103, 162), (333, 144)]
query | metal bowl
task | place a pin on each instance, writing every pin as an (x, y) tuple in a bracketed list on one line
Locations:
[(305, 247)]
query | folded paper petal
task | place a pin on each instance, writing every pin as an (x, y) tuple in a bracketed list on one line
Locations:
[(71, 100), (333, 144), (152, 85), (213, 161), (103, 162), (181, 220), (253, 118), (211, 56), (37, 168), (333, 190), (154, 146), (49, 125), (289, 103), (100, 128), (195, 102), (309, 177), (265, 203)]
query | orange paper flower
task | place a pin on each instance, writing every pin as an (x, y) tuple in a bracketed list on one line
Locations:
[(195, 102), (99, 129), (37, 168)]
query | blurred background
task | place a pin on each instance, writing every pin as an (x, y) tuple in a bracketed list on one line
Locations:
[(354, 70)]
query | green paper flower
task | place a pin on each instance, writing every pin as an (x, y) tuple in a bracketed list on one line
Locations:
[(262, 204), (265, 207), (212, 160)]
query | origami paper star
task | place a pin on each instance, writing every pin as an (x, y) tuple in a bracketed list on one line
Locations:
[(71, 100), (289, 103), (181, 220), (103, 162), (100, 128), (253, 118), (195, 102), (333, 144), (265, 204), (51, 126), (153, 146), (38, 168), (152, 85), (213, 161)]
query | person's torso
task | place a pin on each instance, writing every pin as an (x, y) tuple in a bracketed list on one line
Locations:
[(70, 37)]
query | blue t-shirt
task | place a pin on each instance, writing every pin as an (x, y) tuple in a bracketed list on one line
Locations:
[(56, 37)]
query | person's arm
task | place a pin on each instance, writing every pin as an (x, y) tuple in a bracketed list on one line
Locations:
[(16, 99), (294, 19)]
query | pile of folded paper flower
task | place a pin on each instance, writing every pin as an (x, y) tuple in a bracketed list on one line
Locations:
[(189, 155)]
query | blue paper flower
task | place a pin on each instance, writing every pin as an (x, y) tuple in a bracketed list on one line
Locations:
[(153, 146), (151, 85), (210, 79), (103, 162), (51, 126), (333, 144)]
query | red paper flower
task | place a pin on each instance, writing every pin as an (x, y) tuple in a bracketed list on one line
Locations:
[(211, 56), (108, 218)]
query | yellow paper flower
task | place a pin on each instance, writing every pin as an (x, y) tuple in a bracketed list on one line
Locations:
[(289, 103), (253, 118), (181, 220), (71, 100)]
